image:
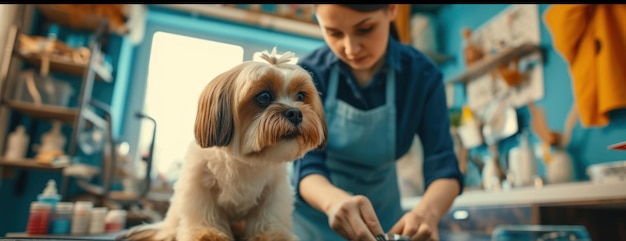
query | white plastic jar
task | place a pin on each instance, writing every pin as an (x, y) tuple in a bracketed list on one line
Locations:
[(115, 221), (97, 221), (81, 217), (17, 144)]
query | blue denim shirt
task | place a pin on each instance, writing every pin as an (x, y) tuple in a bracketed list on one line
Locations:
[(420, 105)]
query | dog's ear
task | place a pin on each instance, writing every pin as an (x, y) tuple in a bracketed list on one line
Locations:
[(214, 124), (325, 141), (319, 109)]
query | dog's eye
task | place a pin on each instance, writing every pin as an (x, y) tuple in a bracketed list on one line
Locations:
[(263, 99), (300, 96)]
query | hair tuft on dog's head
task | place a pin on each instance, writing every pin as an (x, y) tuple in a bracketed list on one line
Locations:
[(279, 60)]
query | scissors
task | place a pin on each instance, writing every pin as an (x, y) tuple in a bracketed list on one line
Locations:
[(392, 237)]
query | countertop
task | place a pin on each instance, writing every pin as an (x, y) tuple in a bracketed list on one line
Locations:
[(550, 194), (24, 236)]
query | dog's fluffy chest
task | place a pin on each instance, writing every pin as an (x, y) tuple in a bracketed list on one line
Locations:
[(238, 187), (243, 189)]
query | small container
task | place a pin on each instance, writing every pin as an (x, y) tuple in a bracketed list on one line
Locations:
[(608, 172), (38, 219), (17, 144), (97, 221), (469, 130), (81, 217), (540, 232), (62, 218), (115, 221)]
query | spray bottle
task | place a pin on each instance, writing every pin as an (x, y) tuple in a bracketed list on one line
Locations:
[(50, 195)]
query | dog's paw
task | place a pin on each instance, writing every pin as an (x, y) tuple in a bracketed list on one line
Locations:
[(274, 236), (212, 235)]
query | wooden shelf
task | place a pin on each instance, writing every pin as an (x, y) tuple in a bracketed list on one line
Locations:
[(31, 164), (75, 20), (489, 62), (48, 112), (66, 66), (261, 19)]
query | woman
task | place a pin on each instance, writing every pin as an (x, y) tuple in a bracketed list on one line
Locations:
[(377, 95)]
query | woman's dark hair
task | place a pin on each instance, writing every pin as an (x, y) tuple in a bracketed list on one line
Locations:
[(393, 31)]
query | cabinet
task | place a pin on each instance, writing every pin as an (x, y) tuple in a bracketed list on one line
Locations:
[(79, 116)]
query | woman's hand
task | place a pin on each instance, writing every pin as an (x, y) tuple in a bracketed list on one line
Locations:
[(354, 218), (420, 226)]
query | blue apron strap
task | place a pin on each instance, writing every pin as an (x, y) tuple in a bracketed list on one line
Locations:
[(391, 101), (391, 85), (331, 93)]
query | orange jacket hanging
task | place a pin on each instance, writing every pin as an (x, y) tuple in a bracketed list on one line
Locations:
[(592, 40)]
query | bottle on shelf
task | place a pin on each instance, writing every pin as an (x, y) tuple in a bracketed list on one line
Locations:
[(469, 130), (52, 144), (522, 162), (17, 144)]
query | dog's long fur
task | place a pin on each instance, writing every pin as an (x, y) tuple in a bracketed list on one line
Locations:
[(252, 120)]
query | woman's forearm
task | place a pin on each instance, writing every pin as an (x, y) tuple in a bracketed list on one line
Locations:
[(319, 192), (438, 198)]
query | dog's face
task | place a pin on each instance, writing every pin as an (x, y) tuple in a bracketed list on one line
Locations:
[(262, 111)]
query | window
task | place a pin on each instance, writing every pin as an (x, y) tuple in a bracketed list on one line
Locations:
[(179, 68)]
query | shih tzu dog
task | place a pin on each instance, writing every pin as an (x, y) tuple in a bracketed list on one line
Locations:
[(252, 120)]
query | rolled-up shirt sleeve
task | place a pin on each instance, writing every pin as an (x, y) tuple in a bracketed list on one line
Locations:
[(314, 162), (440, 161)]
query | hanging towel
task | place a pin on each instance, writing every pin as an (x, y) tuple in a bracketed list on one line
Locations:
[(592, 40)]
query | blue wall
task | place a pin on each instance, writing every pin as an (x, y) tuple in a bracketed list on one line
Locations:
[(588, 145)]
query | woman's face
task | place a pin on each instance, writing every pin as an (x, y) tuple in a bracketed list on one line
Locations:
[(358, 38)]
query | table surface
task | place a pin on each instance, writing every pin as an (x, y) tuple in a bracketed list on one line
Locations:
[(550, 194), (25, 236), (444, 236)]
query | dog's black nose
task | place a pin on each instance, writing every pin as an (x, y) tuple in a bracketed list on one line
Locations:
[(294, 115)]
